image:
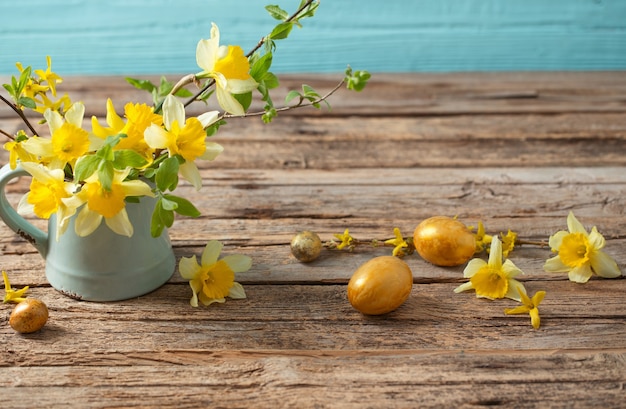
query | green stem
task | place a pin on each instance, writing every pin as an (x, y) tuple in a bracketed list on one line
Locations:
[(287, 108)]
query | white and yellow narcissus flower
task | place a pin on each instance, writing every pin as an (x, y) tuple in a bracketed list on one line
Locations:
[(49, 194), (68, 141), (580, 253), (493, 279), (229, 67), (108, 204), (213, 280), (184, 137)]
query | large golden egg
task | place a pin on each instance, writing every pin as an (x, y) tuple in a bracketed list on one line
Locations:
[(444, 241), (380, 285)]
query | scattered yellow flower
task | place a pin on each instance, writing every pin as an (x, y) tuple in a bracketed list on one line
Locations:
[(530, 305), (213, 280), (346, 239), (398, 242), (483, 240), (11, 295), (49, 77), (492, 279), (580, 254), (508, 242)]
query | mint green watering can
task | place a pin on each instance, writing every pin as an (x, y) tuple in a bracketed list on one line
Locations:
[(103, 266)]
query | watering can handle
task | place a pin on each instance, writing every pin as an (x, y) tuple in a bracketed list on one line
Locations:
[(12, 219)]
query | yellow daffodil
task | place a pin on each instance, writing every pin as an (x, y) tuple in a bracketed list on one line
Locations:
[(213, 280), (100, 203), (530, 306), (184, 137), (49, 194), (580, 253), (492, 279), (346, 239), (11, 295), (398, 242), (68, 142), (139, 117), (229, 67)]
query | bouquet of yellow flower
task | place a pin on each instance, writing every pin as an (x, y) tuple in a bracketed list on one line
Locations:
[(93, 173)]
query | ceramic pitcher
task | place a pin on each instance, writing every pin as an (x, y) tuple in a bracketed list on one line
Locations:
[(103, 266)]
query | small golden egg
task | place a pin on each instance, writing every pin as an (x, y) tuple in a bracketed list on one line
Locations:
[(380, 285), (444, 241), (29, 316), (306, 246)]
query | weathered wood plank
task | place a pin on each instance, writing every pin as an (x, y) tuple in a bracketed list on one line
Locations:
[(409, 94), (463, 379), (319, 317)]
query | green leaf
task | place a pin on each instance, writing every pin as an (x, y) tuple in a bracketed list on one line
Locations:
[(105, 174), (24, 77), (293, 94), (214, 127), (356, 81), (167, 174), (86, 166), (276, 12), (270, 80), (9, 89), (281, 31), (183, 93), (128, 158), (144, 85), (244, 99), (184, 206), (168, 204), (261, 67), (27, 102)]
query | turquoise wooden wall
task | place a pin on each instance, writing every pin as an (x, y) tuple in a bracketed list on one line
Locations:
[(159, 36)]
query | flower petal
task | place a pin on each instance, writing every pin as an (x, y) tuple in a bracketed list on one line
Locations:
[(156, 137), (580, 274), (137, 188), (515, 287), (557, 239), (573, 225), (120, 223), (211, 252), (75, 114), (173, 111), (238, 263), (555, 265), (511, 269), (212, 151), (228, 102), (473, 266), (188, 267), (87, 222), (189, 171), (534, 318), (495, 253), (208, 118), (603, 265), (464, 287), (596, 240), (237, 292), (236, 86)]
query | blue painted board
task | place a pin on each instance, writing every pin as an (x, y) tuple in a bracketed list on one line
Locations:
[(160, 36)]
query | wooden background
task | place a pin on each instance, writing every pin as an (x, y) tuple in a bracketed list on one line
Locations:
[(160, 36)]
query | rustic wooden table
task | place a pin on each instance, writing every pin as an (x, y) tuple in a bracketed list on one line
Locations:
[(517, 151)]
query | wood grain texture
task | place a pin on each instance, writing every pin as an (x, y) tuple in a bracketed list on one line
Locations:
[(515, 150)]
